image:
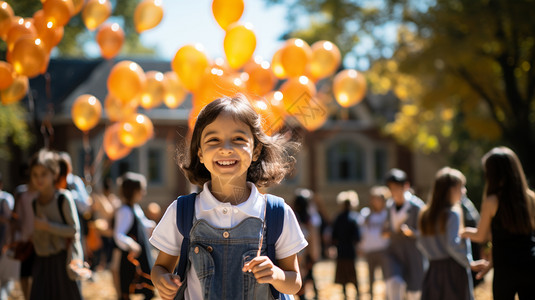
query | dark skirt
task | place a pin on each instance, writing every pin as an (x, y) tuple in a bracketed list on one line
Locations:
[(50, 279), (345, 271), (445, 280)]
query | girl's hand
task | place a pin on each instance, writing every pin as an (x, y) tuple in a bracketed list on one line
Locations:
[(405, 229), (168, 285), (135, 249), (482, 267), (264, 270), (40, 224)]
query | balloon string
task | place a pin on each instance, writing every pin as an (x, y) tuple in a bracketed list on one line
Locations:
[(87, 157)]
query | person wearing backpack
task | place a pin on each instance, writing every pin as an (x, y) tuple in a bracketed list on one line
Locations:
[(233, 242), (56, 229)]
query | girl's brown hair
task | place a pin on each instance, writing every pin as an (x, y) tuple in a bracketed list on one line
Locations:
[(276, 157), (505, 178), (47, 159), (129, 184), (439, 205)]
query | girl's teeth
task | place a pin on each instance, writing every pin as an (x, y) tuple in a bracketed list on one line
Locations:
[(226, 163)]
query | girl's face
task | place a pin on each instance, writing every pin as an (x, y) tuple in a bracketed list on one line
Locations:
[(227, 148), (456, 193), (377, 203), (42, 178)]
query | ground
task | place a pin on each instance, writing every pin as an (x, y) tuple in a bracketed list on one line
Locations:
[(101, 287)]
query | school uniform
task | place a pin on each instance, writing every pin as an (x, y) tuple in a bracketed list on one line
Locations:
[(220, 239), (404, 260), (50, 279), (448, 275), (130, 227)]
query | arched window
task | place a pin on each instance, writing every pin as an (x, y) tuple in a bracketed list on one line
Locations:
[(345, 161)]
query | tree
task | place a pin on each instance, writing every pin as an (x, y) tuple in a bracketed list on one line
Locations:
[(464, 70)]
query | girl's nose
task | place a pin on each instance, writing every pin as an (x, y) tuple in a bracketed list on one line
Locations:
[(226, 148)]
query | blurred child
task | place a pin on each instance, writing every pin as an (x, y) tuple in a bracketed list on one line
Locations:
[(130, 235), (448, 275), (57, 232), (373, 242), (346, 236)]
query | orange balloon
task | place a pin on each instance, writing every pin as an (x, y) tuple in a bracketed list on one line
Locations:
[(349, 87), (78, 5), (315, 118), (126, 80), (44, 67), (216, 83), (6, 17), (118, 110), (190, 63), (86, 111), (59, 12), (28, 57), (295, 56), (110, 39), (297, 92), (112, 146), (16, 91), (227, 12), (194, 112), (19, 28), (175, 92), (153, 93), (49, 33), (148, 14), (136, 130), (276, 65), (325, 59), (261, 78), (272, 121), (239, 44), (95, 12), (7, 75)]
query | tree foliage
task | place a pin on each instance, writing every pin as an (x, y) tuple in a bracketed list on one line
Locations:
[(463, 69)]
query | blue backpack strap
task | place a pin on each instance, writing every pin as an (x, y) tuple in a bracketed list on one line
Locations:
[(274, 225), (185, 208)]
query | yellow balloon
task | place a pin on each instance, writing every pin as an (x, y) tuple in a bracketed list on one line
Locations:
[(7, 75), (28, 57), (325, 59), (6, 17), (118, 110), (239, 44), (276, 65), (16, 91), (78, 5), (295, 56), (261, 78), (86, 112), (297, 92), (153, 93), (190, 63), (95, 12), (136, 130), (272, 120), (112, 146), (349, 87), (227, 12), (175, 91), (148, 14), (126, 80), (59, 12)]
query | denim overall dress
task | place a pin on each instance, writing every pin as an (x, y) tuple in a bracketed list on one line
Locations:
[(218, 255)]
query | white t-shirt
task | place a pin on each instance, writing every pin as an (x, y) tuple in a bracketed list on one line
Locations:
[(168, 239)]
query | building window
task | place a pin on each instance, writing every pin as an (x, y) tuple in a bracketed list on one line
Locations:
[(126, 164), (380, 164), (155, 166), (345, 162)]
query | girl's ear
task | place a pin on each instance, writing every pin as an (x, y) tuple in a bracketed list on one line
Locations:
[(199, 154), (257, 151)]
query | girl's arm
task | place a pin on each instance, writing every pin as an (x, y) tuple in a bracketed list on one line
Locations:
[(164, 280), (483, 233), (286, 277), (456, 246), (124, 219)]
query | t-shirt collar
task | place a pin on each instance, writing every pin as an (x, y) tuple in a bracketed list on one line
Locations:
[(251, 206)]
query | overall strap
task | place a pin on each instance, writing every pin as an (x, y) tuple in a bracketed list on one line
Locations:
[(61, 198), (185, 208), (274, 225)]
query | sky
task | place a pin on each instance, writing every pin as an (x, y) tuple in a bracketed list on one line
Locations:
[(186, 22)]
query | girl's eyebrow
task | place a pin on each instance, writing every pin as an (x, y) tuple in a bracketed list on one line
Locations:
[(215, 132)]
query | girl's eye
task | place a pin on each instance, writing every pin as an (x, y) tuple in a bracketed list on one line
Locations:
[(211, 140), (240, 138)]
